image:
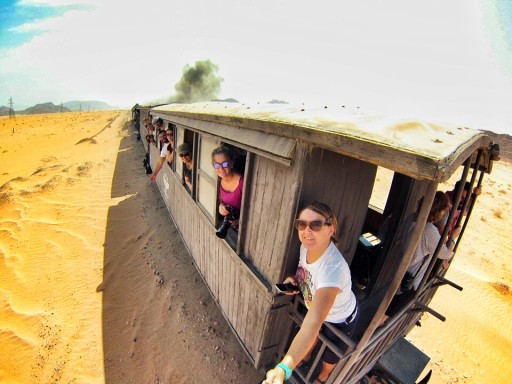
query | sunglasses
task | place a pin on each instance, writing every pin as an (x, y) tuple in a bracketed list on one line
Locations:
[(315, 225), (224, 164), (184, 154)]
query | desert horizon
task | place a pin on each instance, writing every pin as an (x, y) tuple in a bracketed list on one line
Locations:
[(96, 285)]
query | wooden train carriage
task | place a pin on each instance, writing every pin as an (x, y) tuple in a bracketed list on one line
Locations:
[(294, 155)]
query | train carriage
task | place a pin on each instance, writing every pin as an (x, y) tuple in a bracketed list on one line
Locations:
[(293, 155)]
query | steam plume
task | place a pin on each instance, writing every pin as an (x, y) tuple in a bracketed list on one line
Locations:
[(199, 82)]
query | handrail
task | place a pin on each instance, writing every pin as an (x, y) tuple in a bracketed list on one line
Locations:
[(444, 281), (425, 308), (298, 318), (393, 287)]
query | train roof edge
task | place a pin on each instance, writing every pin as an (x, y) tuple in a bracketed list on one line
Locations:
[(420, 149)]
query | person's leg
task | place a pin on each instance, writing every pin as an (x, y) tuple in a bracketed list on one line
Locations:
[(306, 358), (329, 358), (324, 374)]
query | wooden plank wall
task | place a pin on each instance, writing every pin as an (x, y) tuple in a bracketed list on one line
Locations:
[(243, 299), (142, 128), (345, 184), (273, 195), (143, 133)]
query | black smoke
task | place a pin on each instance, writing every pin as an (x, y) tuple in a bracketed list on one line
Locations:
[(199, 82)]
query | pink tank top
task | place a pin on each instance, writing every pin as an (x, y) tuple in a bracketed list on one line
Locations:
[(233, 198)]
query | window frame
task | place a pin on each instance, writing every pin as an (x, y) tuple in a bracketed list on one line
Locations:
[(204, 176), (184, 134)]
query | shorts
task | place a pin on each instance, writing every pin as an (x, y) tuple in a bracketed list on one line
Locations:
[(347, 328)]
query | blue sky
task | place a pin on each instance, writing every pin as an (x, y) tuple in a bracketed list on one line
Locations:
[(14, 15), (448, 61)]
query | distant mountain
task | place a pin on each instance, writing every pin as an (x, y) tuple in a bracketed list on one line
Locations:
[(4, 111), (77, 105), (87, 105), (275, 101), (228, 100), (43, 108)]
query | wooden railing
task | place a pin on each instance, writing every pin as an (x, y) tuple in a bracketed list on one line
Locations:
[(383, 338)]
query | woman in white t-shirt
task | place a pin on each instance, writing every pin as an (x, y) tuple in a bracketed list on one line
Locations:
[(323, 276)]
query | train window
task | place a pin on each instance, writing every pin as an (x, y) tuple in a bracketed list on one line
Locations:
[(381, 188), (171, 157), (185, 161), (206, 177), (228, 226), (369, 248), (179, 135)]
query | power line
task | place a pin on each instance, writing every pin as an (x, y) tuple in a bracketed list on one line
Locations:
[(12, 114)]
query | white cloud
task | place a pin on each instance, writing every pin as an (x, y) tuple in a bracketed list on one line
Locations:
[(435, 59)]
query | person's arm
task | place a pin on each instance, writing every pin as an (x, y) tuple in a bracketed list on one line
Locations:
[(306, 337), (161, 161), (453, 236), (223, 210), (188, 182), (446, 252), (170, 157)]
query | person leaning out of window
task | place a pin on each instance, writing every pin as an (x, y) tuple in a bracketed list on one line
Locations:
[(185, 153), (230, 187)]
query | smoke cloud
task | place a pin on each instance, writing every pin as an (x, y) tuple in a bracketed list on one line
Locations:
[(199, 82)]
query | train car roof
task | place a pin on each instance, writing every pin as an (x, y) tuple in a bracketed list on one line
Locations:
[(420, 149)]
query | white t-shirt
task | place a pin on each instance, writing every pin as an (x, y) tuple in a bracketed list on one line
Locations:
[(427, 246), (163, 152), (330, 270)]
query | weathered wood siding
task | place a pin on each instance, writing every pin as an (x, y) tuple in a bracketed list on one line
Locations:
[(273, 195), (345, 184), (143, 130)]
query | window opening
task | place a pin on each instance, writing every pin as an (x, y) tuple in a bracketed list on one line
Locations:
[(170, 133), (381, 188), (185, 158), (370, 244), (179, 138), (230, 159)]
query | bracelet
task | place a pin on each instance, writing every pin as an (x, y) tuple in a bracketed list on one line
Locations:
[(453, 241), (286, 369)]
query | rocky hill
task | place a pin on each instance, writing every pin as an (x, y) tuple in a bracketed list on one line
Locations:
[(43, 108), (76, 105), (4, 111), (505, 143), (88, 105)]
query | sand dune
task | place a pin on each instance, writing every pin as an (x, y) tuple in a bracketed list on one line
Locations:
[(86, 293), (96, 286), (53, 200)]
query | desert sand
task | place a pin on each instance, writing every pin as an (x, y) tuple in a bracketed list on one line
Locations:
[(96, 286)]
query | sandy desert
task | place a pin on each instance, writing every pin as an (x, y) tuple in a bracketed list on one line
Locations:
[(96, 286)]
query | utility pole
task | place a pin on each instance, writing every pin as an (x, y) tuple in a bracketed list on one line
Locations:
[(61, 107), (11, 109)]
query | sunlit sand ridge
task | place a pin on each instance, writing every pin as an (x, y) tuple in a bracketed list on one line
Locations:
[(54, 197)]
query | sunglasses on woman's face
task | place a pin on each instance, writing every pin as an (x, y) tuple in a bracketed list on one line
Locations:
[(315, 225), (224, 164), (184, 154)]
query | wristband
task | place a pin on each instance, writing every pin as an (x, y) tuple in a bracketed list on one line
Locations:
[(286, 369)]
